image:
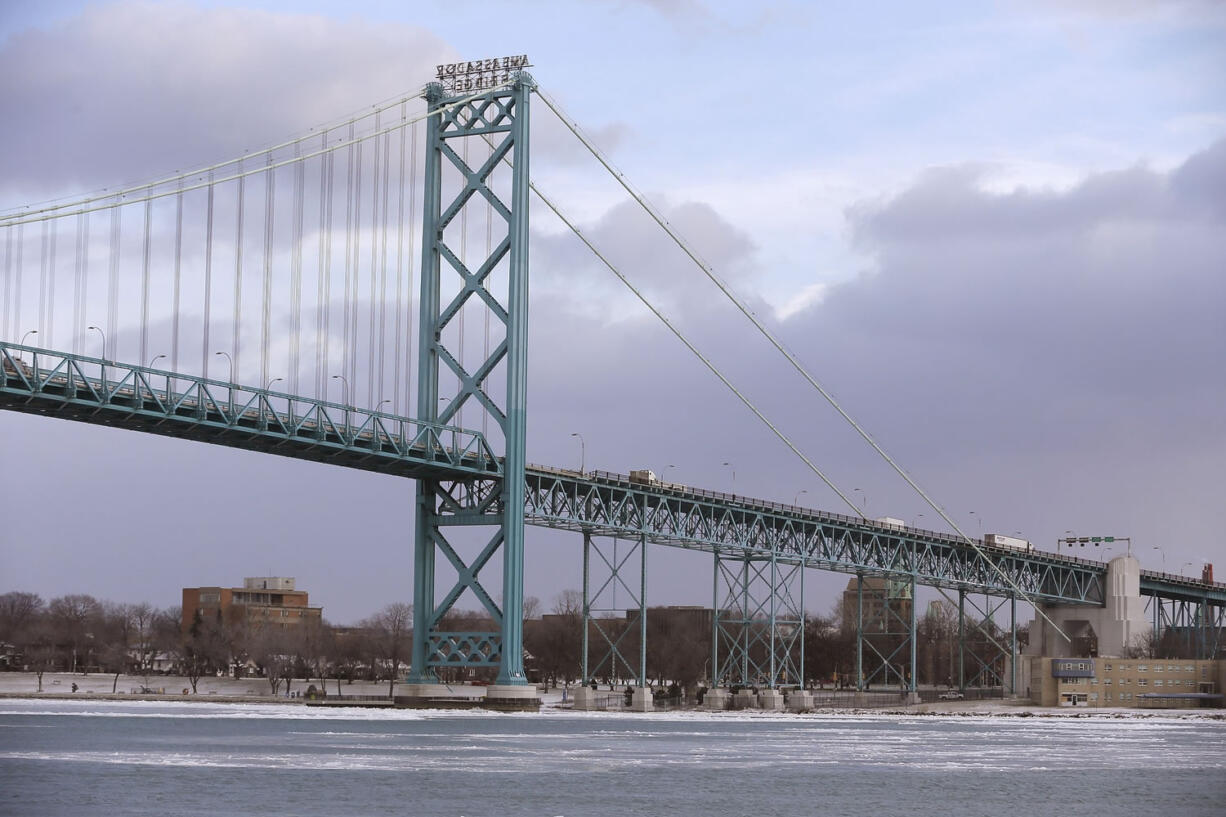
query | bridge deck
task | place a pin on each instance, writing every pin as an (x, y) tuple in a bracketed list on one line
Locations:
[(90, 390)]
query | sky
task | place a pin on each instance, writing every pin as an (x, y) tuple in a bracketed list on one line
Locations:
[(992, 230)]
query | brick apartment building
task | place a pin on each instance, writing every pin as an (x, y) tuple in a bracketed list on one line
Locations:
[(261, 599)]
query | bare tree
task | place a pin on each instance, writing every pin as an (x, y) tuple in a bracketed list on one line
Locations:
[(391, 629), (72, 618), (18, 612), (272, 651)]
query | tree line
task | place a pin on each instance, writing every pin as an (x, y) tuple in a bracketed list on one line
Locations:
[(78, 633)]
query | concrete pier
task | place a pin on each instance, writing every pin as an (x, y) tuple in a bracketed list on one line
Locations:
[(800, 700), (771, 700)]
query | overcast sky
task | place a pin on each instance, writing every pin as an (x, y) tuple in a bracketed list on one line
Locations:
[(994, 231)]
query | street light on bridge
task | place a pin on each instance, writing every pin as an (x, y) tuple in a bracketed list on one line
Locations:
[(26, 335), (103, 334), (582, 451)]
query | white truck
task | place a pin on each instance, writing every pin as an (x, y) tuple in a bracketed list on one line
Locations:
[(1012, 543), (644, 477), (890, 522)]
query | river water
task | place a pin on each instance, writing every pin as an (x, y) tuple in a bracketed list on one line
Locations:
[(104, 758)]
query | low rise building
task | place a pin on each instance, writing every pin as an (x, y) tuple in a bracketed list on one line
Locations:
[(261, 600), (1127, 682)]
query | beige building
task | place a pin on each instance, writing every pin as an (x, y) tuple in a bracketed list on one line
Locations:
[(1127, 682)]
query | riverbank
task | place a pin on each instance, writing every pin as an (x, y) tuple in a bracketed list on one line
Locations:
[(95, 687)]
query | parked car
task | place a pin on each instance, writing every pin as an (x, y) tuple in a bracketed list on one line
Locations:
[(952, 695)]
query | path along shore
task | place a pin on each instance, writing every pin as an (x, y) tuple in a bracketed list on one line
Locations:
[(167, 688)]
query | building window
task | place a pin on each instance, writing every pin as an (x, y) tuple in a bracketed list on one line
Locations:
[(1142, 667), (1157, 668), (1142, 682), (1106, 667), (1157, 682), (1107, 682)]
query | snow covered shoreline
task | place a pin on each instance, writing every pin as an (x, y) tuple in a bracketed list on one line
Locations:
[(254, 691)]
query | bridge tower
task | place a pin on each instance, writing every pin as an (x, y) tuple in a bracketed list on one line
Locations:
[(493, 288)]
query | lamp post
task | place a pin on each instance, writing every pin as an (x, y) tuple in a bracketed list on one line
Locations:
[(1185, 564), (229, 382), (344, 398), (978, 519), (103, 334), (153, 360), (664, 476), (23, 339), (1163, 554), (796, 499), (915, 521), (268, 385), (732, 468), (582, 452), (863, 501), (381, 402)]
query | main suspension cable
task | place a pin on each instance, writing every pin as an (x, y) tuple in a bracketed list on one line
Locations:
[(780, 346)]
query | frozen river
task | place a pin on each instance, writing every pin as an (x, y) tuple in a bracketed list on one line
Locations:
[(97, 757)]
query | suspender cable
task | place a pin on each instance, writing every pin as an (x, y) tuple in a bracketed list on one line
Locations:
[(321, 284), (77, 283), (8, 287), (21, 245), (270, 203), (782, 349), (399, 271), (206, 353), (51, 269), (144, 283), (295, 275), (41, 320), (112, 312), (357, 271), (409, 260), (238, 279), (374, 257), (387, 162), (345, 370), (82, 282), (175, 294)]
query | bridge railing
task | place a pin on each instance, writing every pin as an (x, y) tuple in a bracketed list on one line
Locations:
[(148, 395)]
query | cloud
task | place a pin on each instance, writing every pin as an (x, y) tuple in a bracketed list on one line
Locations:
[(130, 89)]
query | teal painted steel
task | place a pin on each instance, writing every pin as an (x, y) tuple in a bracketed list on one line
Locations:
[(75, 387), (498, 117)]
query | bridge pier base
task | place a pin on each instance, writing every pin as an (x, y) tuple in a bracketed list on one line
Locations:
[(800, 700), (716, 700), (518, 696), (642, 700), (771, 700), (584, 699)]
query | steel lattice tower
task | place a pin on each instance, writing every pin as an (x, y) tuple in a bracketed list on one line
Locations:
[(496, 122)]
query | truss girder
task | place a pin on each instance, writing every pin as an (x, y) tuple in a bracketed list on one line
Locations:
[(1196, 627), (609, 504), (75, 387)]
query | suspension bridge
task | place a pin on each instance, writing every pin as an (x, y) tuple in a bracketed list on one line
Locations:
[(299, 259)]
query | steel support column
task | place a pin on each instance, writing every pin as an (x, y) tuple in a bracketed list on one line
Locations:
[(614, 630)]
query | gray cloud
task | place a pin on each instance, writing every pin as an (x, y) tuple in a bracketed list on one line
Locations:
[(131, 89)]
